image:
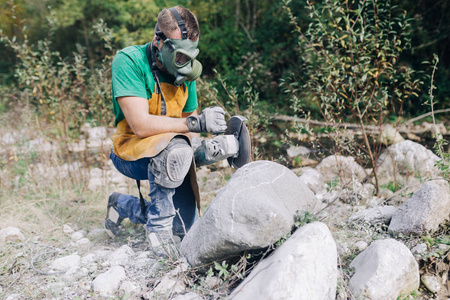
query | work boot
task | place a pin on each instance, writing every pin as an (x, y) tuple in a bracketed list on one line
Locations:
[(163, 245), (113, 220)]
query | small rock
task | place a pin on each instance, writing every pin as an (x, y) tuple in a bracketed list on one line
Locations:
[(83, 242), (11, 235), (312, 178), (121, 256), (67, 229), (390, 135), (129, 287), (405, 162), (78, 235), (168, 285), (375, 277), (424, 211), (95, 256), (431, 283), (295, 151), (341, 168), (419, 249), (106, 284), (373, 216), (361, 245), (443, 247), (66, 262)]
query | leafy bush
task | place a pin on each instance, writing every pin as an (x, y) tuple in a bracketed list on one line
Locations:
[(351, 71), (65, 91)]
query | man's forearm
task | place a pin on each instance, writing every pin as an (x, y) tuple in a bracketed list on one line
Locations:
[(153, 125)]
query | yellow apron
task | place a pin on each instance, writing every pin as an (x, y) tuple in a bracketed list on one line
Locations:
[(129, 147)]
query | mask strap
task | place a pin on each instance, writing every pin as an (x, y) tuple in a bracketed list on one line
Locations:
[(181, 25), (161, 36), (155, 73)]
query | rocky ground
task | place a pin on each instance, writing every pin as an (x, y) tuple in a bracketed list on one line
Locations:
[(350, 243)]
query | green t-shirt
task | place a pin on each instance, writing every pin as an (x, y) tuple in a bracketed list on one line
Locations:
[(131, 76)]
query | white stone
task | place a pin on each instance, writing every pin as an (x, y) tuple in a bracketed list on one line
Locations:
[(121, 256), (341, 168), (405, 162), (360, 245), (424, 211), (385, 270), (95, 256), (107, 283), (295, 151), (443, 247), (390, 135), (11, 234), (431, 283), (66, 262), (78, 235), (254, 210), (168, 285), (313, 179), (303, 267), (84, 242), (373, 216), (67, 229), (419, 249)]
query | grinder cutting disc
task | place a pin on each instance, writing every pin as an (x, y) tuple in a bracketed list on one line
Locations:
[(236, 127)]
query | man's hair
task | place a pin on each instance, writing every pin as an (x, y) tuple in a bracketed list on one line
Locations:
[(167, 22)]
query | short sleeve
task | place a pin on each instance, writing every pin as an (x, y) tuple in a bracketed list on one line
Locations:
[(127, 78), (192, 101)]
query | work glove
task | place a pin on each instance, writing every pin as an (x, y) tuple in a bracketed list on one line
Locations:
[(211, 120)]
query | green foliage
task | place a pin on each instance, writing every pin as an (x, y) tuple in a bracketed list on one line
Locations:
[(222, 268), (65, 92), (304, 217), (350, 69)]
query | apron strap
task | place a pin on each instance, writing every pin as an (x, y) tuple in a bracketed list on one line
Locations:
[(155, 73), (142, 200)]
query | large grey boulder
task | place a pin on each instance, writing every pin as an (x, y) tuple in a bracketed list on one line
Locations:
[(254, 210), (385, 270), (304, 267), (342, 168), (424, 211), (405, 162)]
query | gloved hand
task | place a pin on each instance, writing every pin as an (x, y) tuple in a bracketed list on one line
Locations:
[(211, 120)]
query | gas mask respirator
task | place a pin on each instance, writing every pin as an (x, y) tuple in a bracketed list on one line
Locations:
[(179, 55)]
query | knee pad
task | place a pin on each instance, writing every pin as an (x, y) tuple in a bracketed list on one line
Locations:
[(172, 164)]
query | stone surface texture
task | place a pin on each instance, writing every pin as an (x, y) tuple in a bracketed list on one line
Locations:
[(373, 216), (254, 210), (375, 275), (108, 282), (405, 162), (342, 168), (303, 267), (424, 211), (313, 179)]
